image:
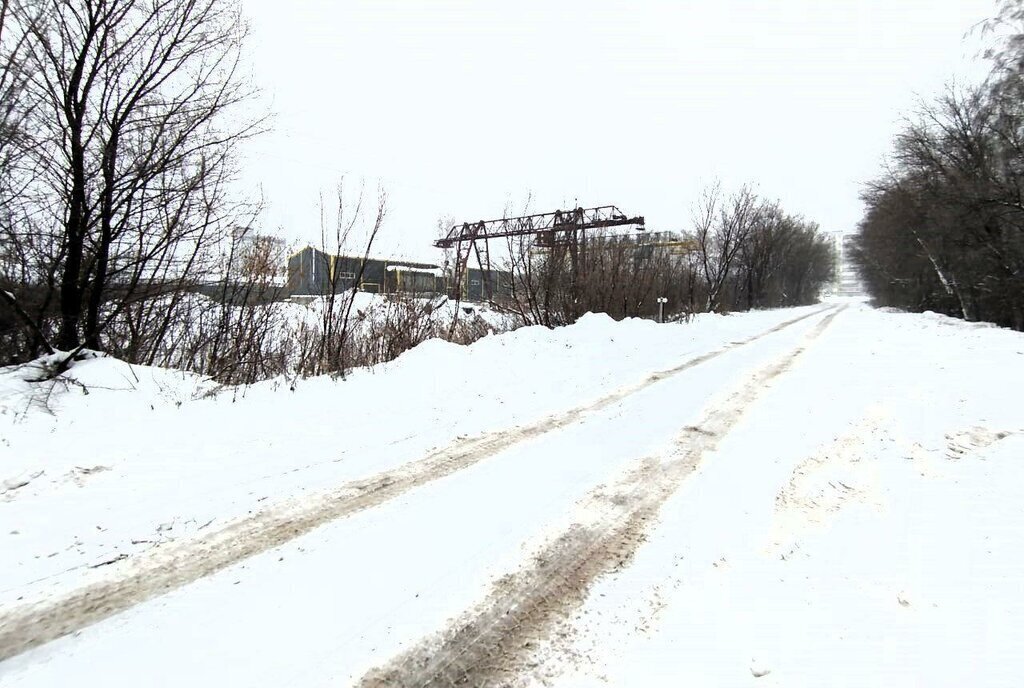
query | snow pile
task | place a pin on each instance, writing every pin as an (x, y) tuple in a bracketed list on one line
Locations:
[(264, 339), (369, 308)]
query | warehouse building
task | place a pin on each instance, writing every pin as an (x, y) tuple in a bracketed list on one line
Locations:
[(313, 272)]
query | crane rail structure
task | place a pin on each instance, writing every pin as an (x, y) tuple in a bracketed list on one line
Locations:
[(558, 229)]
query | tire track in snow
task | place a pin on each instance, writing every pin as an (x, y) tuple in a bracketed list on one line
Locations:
[(163, 569), (491, 644)]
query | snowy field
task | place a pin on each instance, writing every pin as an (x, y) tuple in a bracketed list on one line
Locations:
[(820, 496)]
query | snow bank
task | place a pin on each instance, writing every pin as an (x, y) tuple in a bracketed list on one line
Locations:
[(145, 455)]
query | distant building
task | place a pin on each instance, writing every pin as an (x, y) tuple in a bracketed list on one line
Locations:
[(313, 272), (643, 246), (483, 285)]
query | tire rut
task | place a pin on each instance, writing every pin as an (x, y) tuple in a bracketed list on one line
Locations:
[(161, 570), (491, 644)]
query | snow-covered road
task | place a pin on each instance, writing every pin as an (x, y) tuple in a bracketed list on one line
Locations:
[(808, 497)]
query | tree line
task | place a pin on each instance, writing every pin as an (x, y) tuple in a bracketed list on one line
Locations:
[(944, 225), (741, 251)]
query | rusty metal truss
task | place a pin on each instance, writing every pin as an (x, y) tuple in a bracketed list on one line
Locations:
[(561, 228)]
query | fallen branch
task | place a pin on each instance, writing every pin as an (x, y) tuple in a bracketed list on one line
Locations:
[(107, 562)]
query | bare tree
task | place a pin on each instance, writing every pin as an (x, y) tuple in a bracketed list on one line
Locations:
[(944, 228), (721, 227), (330, 346), (16, 269), (328, 349), (131, 148), (378, 220)]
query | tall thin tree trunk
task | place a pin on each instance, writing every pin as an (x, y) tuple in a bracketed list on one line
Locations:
[(99, 283), (75, 225)]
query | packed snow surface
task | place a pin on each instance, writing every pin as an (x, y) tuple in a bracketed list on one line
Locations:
[(854, 519)]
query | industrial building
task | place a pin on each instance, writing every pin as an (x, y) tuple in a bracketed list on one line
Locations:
[(313, 272)]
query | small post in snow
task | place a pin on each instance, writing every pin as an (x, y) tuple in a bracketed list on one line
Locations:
[(661, 308)]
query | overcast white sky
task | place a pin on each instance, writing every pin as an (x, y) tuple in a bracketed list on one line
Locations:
[(460, 108)]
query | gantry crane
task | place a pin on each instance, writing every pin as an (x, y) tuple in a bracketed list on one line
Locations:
[(559, 229)]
